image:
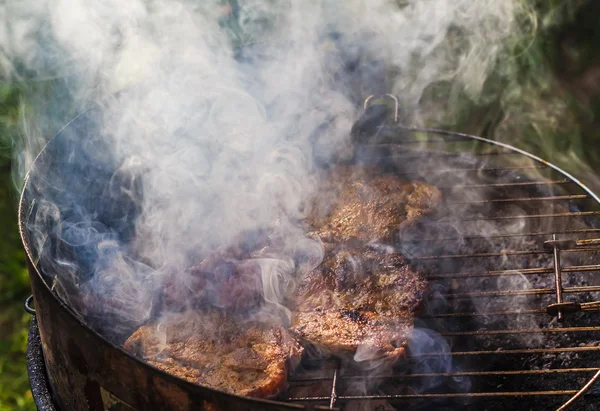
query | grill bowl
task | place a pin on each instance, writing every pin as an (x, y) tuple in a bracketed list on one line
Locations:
[(491, 279)]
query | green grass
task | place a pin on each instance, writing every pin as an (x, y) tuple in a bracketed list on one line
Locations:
[(539, 101)]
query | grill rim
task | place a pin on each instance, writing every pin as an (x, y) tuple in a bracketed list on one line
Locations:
[(37, 271)]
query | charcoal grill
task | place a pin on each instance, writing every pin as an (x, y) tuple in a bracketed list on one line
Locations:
[(513, 265)]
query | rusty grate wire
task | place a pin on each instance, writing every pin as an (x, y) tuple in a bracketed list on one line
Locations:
[(557, 238)]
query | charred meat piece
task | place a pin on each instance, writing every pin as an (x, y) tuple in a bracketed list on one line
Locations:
[(218, 351), (357, 204), (228, 278), (232, 285), (359, 302)]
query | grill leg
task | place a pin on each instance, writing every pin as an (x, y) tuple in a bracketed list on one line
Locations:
[(36, 369)]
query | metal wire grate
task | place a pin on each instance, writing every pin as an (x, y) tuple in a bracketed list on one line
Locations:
[(513, 269)]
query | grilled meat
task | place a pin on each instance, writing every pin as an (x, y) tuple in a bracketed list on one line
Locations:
[(359, 301), (232, 285), (228, 278), (357, 204), (362, 300), (218, 351)]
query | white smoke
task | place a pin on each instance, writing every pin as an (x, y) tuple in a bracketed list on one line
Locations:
[(224, 106)]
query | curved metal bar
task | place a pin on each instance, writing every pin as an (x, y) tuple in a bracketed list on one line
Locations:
[(28, 305), (391, 96), (582, 391), (508, 147), (20, 211)]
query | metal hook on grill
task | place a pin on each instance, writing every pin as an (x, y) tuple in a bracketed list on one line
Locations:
[(561, 307), (391, 96), (28, 307), (373, 126)]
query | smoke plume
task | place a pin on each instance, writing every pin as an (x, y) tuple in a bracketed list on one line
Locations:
[(207, 120)]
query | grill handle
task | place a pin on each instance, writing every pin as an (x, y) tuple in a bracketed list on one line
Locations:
[(28, 307), (378, 122)]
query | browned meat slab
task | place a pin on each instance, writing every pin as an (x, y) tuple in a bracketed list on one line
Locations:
[(359, 301), (219, 351), (232, 285), (227, 278), (356, 204)]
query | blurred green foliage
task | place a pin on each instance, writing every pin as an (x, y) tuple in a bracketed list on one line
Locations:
[(544, 97), (14, 280)]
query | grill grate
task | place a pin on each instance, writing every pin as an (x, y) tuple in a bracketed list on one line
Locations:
[(515, 244)]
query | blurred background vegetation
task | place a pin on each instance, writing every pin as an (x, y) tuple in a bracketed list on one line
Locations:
[(14, 281), (544, 97)]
